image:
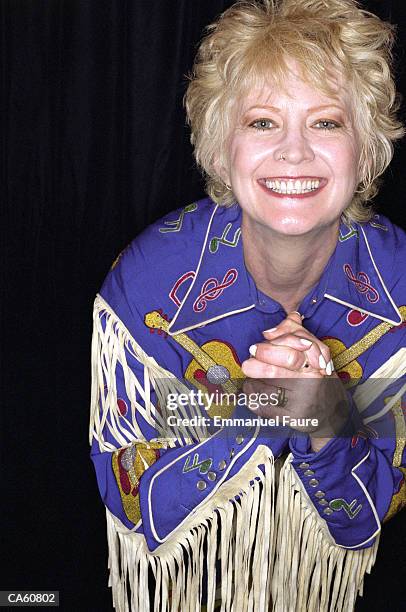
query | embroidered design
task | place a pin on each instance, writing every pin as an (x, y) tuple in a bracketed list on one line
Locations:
[(128, 466), (348, 369), (203, 465), (212, 289), (176, 226), (215, 241), (340, 504), (378, 225), (362, 284), (344, 358), (173, 292), (399, 414), (157, 320), (119, 256), (366, 432), (355, 317), (352, 232), (215, 370), (215, 367), (122, 407)]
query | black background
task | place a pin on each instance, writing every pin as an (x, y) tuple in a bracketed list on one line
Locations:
[(94, 147)]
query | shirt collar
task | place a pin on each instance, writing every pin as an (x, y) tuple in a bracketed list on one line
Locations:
[(222, 285), (357, 273)]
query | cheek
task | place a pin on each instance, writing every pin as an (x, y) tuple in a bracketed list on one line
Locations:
[(343, 162), (246, 154)]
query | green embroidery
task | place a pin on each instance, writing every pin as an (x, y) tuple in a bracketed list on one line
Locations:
[(215, 241), (176, 226), (378, 226), (341, 504), (352, 232), (203, 466)]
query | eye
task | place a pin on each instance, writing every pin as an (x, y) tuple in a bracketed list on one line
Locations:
[(327, 124), (262, 124)]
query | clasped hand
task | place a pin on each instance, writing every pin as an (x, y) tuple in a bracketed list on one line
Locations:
[(297, 367)]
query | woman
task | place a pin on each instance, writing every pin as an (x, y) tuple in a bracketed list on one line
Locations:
[(290, 290)]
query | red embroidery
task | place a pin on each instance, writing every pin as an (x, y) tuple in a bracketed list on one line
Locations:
[(212, 289), (355, 317), (124, 479), (122, 406), (367, 432), (362, 284), (179, 282)]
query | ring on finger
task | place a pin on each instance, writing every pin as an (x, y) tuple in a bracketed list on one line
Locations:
[(282, 399)]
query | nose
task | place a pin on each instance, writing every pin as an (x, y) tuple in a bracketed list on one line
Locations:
[(294, 148)]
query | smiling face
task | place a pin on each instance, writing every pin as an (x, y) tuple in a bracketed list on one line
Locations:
[(293, 157)]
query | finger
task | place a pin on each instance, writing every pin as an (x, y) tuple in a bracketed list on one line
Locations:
[(319, 354), (281, 355), (295, 316), (259, 369), (303, 342), (287, 326)]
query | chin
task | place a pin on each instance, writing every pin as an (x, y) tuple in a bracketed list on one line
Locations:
[(291, 225)]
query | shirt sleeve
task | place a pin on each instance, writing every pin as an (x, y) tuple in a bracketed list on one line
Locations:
[(149, 482), (355, 482), (123, 442)]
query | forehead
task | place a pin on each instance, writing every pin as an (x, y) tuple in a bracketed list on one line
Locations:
[(296, 91)]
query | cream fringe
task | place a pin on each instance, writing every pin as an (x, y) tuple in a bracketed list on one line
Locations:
[(274, 552), (239, 532), (310, 572), (108, 351), (375, 386)]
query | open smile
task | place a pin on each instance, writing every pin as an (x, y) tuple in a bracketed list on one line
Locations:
[(303, 186)]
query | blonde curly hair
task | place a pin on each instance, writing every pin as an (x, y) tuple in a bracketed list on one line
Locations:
[(324, 38)]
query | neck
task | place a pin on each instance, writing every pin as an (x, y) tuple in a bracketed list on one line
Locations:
[(286, 267)]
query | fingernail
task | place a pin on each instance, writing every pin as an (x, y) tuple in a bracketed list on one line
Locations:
[(253, 350), (332, 365), (322, 363), (306, 342), (269, 330), (328, 369)]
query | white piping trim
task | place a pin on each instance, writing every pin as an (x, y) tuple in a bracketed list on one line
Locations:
[(373, 314), (387, 406), (202, 323), (379, 275), (243, 450), (324, 522), (388, 295), (196, 271), (361, 484)]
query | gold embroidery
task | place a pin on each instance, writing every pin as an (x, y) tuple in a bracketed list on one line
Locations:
[(365, 343), (398, 500), (117, 259), (400, 427), (207, 357), (146, 456), (400, 430)]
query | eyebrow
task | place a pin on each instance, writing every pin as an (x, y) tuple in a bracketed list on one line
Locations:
[(313, 109)]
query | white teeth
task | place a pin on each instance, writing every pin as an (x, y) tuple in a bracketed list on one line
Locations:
[(292, 187)]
